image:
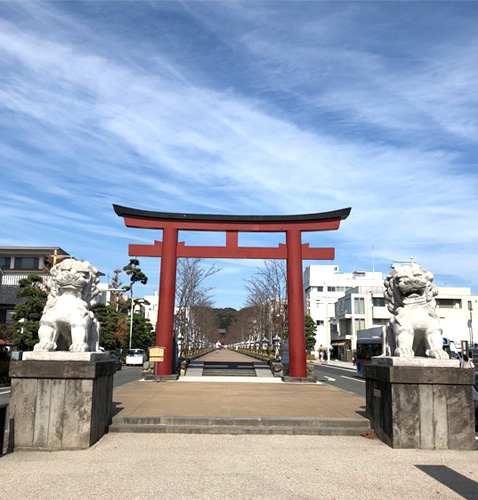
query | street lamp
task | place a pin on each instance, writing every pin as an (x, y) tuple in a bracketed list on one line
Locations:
[(138, 301), (276, 341), (180, 340)]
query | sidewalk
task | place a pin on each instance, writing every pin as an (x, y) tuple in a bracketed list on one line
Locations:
[(206, 467)]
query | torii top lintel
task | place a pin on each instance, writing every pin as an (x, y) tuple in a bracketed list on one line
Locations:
[(232, 225), (323, 221)]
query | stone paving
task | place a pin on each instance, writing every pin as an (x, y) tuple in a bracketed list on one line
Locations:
[(239, 399)]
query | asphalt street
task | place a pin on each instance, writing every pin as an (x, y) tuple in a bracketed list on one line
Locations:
[(346, 379)]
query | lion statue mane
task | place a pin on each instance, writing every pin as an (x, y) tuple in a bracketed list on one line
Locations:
[(414, 328), (67, 322)]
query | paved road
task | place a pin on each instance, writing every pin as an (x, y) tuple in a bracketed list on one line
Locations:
[(342, 378), (124, 376)]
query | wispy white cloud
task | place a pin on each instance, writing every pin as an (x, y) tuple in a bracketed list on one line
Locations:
[(215, 107)]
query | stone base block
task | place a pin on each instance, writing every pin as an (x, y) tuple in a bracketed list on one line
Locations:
[(151, 377), (421, 407), (65, 356), (60, 405), (300, 380)]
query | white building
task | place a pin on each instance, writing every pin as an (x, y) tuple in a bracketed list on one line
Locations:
[(17, 263), (457, 309), (323, 286), (364, 307)]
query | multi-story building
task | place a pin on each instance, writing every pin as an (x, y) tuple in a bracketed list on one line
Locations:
[(323, 286), (364, 308), (360, 308), (17, 263)]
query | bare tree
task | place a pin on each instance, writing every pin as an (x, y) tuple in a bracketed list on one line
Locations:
[(117, 298), (192, 297), (267, 299)]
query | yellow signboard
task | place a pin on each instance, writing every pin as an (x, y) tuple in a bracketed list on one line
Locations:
[(156, 354)]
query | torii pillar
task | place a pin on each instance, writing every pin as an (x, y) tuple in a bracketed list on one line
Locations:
[(294, 251)]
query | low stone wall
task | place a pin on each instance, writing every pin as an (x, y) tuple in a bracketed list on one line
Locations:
[(57, 405)]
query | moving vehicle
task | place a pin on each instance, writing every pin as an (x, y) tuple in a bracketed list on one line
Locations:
[(136, 357), (114, 357), (366, 348)]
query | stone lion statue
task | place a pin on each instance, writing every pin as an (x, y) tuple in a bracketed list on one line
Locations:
[(67, 322), (414, 328)]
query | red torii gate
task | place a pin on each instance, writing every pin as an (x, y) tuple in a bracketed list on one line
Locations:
[(293, 251)]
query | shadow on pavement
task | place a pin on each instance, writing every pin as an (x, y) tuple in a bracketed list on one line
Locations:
[(457, 482)]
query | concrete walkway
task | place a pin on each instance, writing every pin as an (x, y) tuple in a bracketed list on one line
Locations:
[(205, 467), (208, 396)]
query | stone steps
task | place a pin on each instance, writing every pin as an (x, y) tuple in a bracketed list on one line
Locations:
[(228, 369), (241, 425)]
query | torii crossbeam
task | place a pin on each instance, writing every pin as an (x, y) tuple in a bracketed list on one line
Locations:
[(169, 249)]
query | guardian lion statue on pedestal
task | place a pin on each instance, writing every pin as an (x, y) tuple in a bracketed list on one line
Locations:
[(414, 329), (67, 322)]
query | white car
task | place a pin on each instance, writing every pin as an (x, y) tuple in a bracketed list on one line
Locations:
[(136, 357)]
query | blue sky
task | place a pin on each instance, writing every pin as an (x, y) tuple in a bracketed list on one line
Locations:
[(255, 107)]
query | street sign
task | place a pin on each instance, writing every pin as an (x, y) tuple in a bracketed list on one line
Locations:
[(156, 354)]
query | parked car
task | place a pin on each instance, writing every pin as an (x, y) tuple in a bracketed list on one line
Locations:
[(136, 357), (115, 357), (475, 400)]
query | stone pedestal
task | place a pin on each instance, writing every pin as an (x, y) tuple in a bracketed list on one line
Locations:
[(424, 407), (60, 405)]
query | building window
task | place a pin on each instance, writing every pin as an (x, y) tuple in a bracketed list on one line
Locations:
[(6, 316), (348, 306), (359, 306), (5, 262), (359, 324), (320, 322), (449, 303), (378, 302), (27, 262), (320, 288), (331, 288)]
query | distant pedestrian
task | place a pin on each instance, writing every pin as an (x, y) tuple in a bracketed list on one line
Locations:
[(218, 346)]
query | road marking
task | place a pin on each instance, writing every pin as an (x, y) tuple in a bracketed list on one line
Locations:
[(325, 365), (351, 378), (6, 392), (329, 378)]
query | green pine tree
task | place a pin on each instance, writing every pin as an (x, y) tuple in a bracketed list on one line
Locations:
[(310, 331), (27, 315)]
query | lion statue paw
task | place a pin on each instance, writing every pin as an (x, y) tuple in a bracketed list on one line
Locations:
[(404, 352), (45, 346)]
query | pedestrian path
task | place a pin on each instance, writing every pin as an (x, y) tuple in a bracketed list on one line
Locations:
[(229, 366)]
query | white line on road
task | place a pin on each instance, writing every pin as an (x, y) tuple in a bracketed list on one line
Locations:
[(6, 392), (329, 378), (351, 378)]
